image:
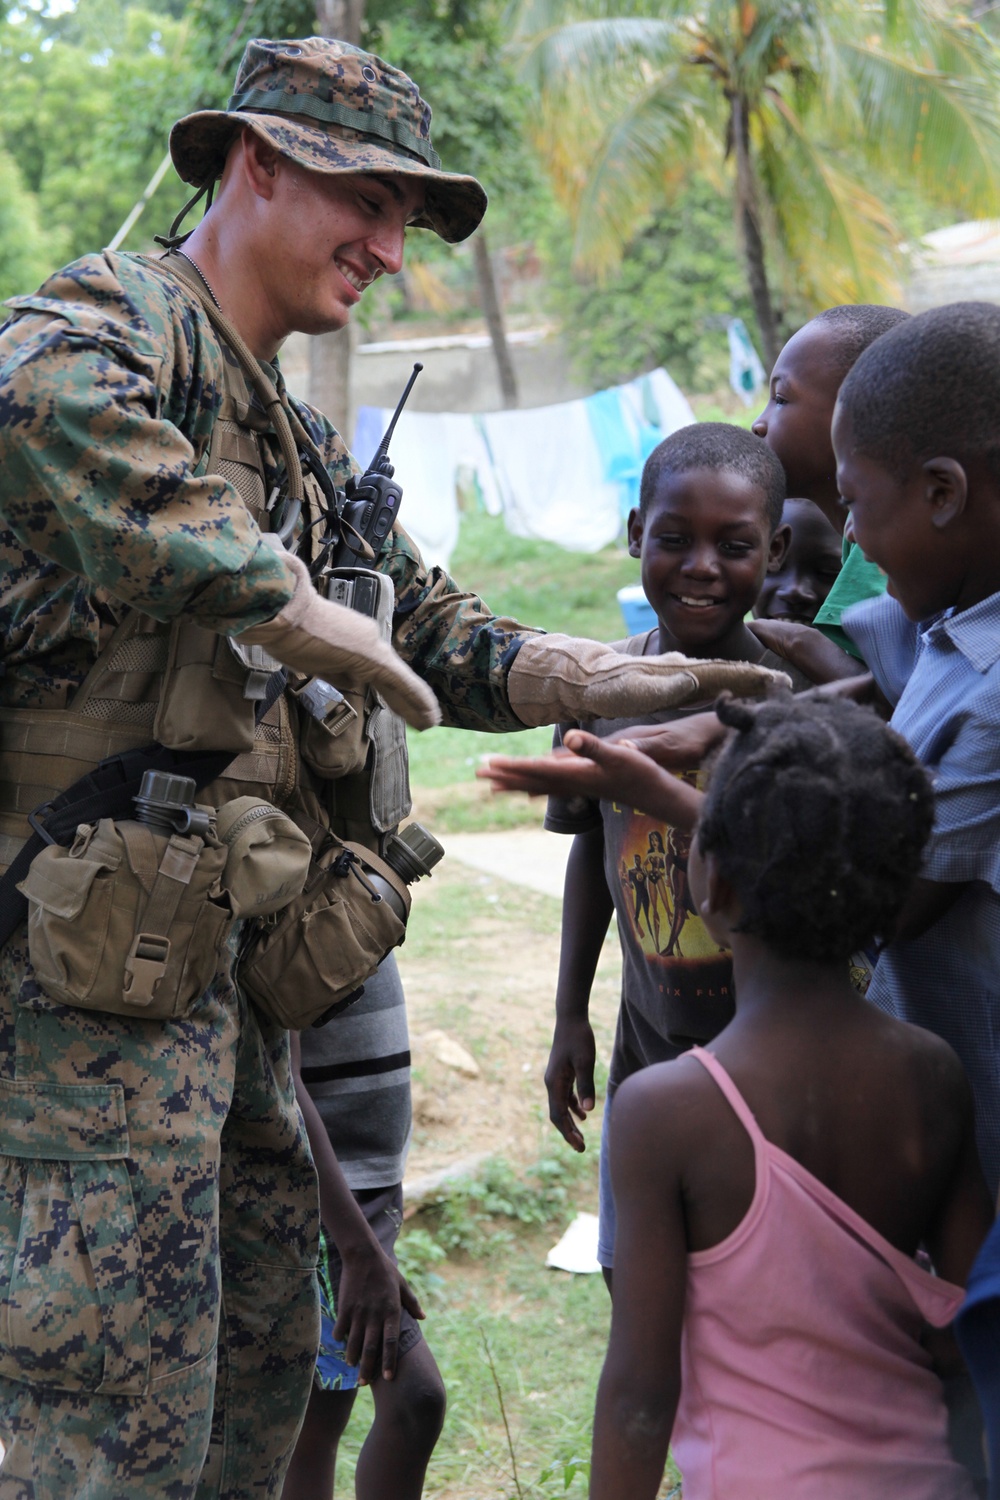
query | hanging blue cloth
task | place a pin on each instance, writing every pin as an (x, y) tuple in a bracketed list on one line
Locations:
[(624, 441)]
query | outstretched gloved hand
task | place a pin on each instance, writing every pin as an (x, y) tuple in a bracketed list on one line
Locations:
[(556, 677), (314, 636)]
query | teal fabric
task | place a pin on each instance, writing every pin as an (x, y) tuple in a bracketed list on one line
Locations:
[(858, 579)]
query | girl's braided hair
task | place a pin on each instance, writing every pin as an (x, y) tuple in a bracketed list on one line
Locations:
[(817, 814)]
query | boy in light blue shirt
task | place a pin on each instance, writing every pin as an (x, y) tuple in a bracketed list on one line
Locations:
[(917, 438)]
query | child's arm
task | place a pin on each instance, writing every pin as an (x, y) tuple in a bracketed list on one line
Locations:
[(807, 648), (641, 1380), (371, 1287), (587, 908), (617, 771), (965, 1216), (954, 1238)]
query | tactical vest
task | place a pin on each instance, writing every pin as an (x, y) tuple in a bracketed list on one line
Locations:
[(192, 689)]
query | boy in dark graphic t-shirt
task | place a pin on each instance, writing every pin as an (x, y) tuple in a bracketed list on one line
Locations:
[(708, 530)]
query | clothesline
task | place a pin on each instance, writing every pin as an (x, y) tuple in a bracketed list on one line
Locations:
[(567, 473)]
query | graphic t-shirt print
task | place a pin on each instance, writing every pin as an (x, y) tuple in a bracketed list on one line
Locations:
[(679, 972)]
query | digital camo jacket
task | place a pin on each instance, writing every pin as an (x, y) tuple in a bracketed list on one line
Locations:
[(110, 383)]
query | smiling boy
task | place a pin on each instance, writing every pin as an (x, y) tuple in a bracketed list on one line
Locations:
[(707, 530), (917, 439)]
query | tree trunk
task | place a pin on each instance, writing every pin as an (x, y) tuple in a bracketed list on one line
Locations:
[(340, 18), (493, 313), (330, 354), (748, 220)]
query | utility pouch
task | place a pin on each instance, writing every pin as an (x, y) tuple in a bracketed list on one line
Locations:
[(211, 688), (328, 941), (267, 856), (333, 740), (127, 919), (331, 728)]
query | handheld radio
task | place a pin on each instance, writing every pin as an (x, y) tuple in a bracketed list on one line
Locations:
[(371, 502)]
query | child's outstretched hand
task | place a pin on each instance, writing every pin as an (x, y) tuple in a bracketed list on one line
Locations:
[(616, 771), (681, 745)]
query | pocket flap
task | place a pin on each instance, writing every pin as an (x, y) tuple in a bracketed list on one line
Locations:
[(62, 1122), (60, 884)]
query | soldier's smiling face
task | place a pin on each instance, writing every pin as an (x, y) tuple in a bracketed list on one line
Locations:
[(333, 234)]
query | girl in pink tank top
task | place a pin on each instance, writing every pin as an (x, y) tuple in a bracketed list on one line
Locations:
[(770, 1317)]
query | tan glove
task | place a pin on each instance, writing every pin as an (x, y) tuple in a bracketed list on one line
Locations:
[(556, 677), (316, 637)]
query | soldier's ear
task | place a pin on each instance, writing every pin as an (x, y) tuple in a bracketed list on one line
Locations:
[(260, 163)]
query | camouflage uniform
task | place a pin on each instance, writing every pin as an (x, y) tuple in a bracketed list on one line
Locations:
[(156, 1174)]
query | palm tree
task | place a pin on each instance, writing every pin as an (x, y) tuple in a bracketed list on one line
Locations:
[(801, 107)]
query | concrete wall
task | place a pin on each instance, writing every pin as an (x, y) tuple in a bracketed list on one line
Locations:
[(932, 286), (459, 372)]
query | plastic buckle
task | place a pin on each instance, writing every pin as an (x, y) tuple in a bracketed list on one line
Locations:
[(145, 967), (34, 821)]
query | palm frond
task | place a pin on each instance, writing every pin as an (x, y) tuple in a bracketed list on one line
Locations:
[(835, 230), (582, 50), (636, 162), (942, 131)]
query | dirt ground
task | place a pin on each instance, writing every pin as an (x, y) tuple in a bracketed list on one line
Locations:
[(480, 965)]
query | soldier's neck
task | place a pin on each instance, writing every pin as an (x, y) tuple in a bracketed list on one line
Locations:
[(230, 269)]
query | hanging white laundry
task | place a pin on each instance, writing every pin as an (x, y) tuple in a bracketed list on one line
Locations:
[(427, 451), (550, 476), (541, 467)]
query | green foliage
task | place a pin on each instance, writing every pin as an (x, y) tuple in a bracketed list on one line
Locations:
[(27, 253), (417, 1252), (453, 49), (667, 301), (565, 1470), (88, 99)]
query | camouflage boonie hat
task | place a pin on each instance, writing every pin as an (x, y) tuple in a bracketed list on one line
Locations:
[(331, 108)]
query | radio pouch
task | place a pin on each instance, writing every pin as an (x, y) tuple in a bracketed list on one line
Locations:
[(128, 920), (329, 940), (333, 734)]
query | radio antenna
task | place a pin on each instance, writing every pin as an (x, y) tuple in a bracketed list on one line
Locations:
[(382, 450)]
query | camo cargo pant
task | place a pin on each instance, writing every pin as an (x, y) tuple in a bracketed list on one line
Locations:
[(158, 1227)]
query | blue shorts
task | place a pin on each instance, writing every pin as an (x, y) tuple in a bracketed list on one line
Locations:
[(383, 1208), (605, 1199)]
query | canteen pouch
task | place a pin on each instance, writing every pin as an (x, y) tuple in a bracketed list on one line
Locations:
[(328, 941), (128, 920), (333, 737), (267, 856), (211, 688)]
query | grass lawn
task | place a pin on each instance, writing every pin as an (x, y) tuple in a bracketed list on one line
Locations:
[(535, 583), (544, 1333)]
